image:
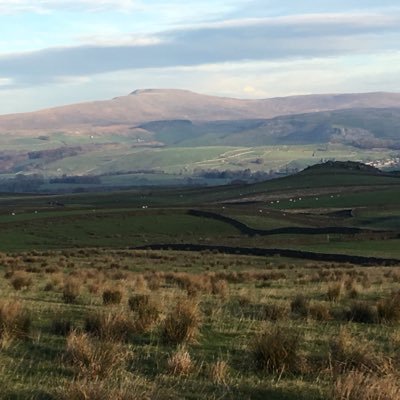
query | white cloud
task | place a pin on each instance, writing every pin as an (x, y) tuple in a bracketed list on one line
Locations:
[(42, 6)]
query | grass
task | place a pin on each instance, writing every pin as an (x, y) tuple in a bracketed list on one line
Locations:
[(85, 314), (247, 343)]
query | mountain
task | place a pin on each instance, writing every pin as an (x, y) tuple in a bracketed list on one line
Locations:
[(122, 113), (156, 137)]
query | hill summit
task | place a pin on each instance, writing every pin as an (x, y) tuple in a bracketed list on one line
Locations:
[(343, 165)]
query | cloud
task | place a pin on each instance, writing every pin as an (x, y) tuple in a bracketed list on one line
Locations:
[(291, 37), (42, 6)]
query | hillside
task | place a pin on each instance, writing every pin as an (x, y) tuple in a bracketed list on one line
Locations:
[(175, 137), (118, 114)]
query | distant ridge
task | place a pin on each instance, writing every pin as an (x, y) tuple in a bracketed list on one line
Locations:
[(146, 105), (344, 165)]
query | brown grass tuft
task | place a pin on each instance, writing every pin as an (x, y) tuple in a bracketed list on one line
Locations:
[(92, 359), (182, 323), (112, 296), (21, 280), (361, 386), (71, 290), (277, 350), (180, 362), (15, 322)]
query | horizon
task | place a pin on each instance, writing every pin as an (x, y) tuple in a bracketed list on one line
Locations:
[(55, 53), (198, 93)]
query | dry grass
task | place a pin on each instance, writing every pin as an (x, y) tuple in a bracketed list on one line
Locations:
[(360, 386), (112, 296), (362, 312), (180, 362), (102, 390), (71, 290), (182, 323), (277, 350), (111, 326), (389, 309), (300, 306), (21, 280), (335, 291), (91, 359), (218, 371), (15, 322), (348, 353)]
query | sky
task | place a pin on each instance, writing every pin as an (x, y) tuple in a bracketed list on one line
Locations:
[(55, 52)]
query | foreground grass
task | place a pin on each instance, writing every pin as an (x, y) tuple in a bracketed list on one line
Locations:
[(94, 324)]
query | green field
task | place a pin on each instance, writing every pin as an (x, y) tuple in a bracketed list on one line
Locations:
[(85, 314)]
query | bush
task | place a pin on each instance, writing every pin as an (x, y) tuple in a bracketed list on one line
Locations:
[(138, 301), (218, 371), (94, 359), (300, 305), (112, 296), (110, 326), (21, 280), (182, 323), (389, 309), (363, 312), (15, 322), (347, 353), (180, 363), (101, 390), (361, 386), (274, 312), (61, 325), (320, 312), (277, 350), (71, 290), (334, 292)]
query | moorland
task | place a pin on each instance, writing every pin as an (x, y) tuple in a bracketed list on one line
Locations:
[(283, 289)]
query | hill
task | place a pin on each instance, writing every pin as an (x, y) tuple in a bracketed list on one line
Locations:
[(119, 114), (170, 137)]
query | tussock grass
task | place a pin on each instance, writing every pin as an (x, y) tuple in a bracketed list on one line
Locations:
[(182, 324), (15, 322), (180, 362), (277, 350), (112, 296), (93, 359), (71, 290), (361, 386)]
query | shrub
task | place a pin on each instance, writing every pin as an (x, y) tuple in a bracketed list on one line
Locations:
[(138, 301), (15, 322), (335, 292), (363, 312), (71, 290), (389, 309), (110, 326), (218, 371), (300, 305), (277, 350), (320, 312), (182, 323), (61, 325), (94, 359), (347, 353), (112, 296), (220, 288), (361, 386), (101, 390), (180, 363), (21, 280), (274, 312)]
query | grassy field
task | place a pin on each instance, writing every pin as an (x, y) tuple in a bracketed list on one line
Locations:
[(85, 315), (89, 324)]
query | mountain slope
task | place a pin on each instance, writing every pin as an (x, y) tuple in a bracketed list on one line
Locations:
[(119, 114)]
